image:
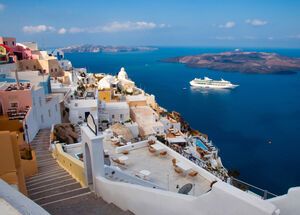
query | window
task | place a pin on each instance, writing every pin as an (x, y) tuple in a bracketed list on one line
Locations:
[(55, 69), (27, 67), (34, 67), (49, 112), (121, 116), (5, 42), (40, 101), (13, 43), (42, 118), (51, 70), (56, 109), (113, 116), (14, 105)]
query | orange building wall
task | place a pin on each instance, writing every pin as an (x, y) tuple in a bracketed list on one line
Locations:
[(10, 161), (104, 95)]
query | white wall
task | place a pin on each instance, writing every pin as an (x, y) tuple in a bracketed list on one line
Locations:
[(288, 204), (18, 201), (42, 108), (73, 149), (7, 68), (32, 125), (134, 128), (222, 199), (112, 112)]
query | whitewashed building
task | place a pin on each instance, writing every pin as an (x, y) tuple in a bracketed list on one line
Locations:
[(114, 112), (79, 109)]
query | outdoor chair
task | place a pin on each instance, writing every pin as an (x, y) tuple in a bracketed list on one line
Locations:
[(174, 161), (178, 170), (116, 160), (163, 153), (125, 152), (151, 149), (193, 173)]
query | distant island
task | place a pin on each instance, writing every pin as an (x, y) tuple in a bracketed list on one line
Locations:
[(101, 48), (244, 62)]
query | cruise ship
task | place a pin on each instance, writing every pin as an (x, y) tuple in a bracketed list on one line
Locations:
[(209, 83)]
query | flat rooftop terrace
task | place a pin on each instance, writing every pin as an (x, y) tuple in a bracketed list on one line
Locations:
[(161, 169)]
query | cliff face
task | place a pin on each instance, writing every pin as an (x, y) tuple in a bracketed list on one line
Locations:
[(245, 62)]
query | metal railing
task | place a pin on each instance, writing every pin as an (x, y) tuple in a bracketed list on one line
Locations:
[(264, 194)]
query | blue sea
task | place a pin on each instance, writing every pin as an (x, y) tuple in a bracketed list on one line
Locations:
[(256, 126)]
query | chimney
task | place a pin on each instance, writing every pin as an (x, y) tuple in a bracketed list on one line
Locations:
[(17, 78)]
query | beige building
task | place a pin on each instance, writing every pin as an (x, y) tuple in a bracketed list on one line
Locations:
[(136, 100), (49, 66), (147, 120), (10, 161)]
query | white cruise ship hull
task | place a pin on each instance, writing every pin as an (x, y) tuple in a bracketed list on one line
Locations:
[(200, 85)]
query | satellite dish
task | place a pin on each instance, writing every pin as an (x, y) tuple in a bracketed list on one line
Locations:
[(185, 189)]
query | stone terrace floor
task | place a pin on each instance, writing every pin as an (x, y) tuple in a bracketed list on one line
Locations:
[(161, 168)]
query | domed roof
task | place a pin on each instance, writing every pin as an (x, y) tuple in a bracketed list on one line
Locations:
[(105, 82), (122, 74)]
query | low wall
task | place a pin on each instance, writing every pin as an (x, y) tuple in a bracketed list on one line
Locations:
[(72, 165), (73, 148), (32, 126), (289, 203), (115, 174), (147, 201), (20, 202), (132, 146), (30, 166)]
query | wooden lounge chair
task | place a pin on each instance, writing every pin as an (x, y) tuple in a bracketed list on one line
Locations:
[(193, 173), (151, 142), (125, 152), (116, 160), (163, 153), (151, 149), (174, 161), (178, 170)]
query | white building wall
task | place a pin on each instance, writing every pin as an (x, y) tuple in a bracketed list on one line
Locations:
[(6, 69), (32, 125), (134, 128), (77, 113), (46, 113), (65, 64), (114, 112)]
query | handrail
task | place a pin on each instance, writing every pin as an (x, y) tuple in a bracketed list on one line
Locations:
[(248, 186)]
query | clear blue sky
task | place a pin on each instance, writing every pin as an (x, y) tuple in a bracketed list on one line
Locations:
[(235, 23)]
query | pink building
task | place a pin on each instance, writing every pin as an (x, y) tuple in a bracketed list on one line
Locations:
[(8, 41), (22, 52), (14, 99)]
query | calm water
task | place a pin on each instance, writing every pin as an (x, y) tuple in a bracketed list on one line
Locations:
[(240, 122)]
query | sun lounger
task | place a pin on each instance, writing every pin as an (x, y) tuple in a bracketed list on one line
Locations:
[(116, 160), (174, 161), (151, 149), (178, 170), (193, 173), (163, 153)]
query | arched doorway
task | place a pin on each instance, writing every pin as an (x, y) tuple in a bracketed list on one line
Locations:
[(88, 165)]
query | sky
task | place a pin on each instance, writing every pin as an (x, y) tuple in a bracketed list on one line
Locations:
[(207, 23)]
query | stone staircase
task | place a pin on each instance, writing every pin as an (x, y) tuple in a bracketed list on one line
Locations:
[(56, 191)]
